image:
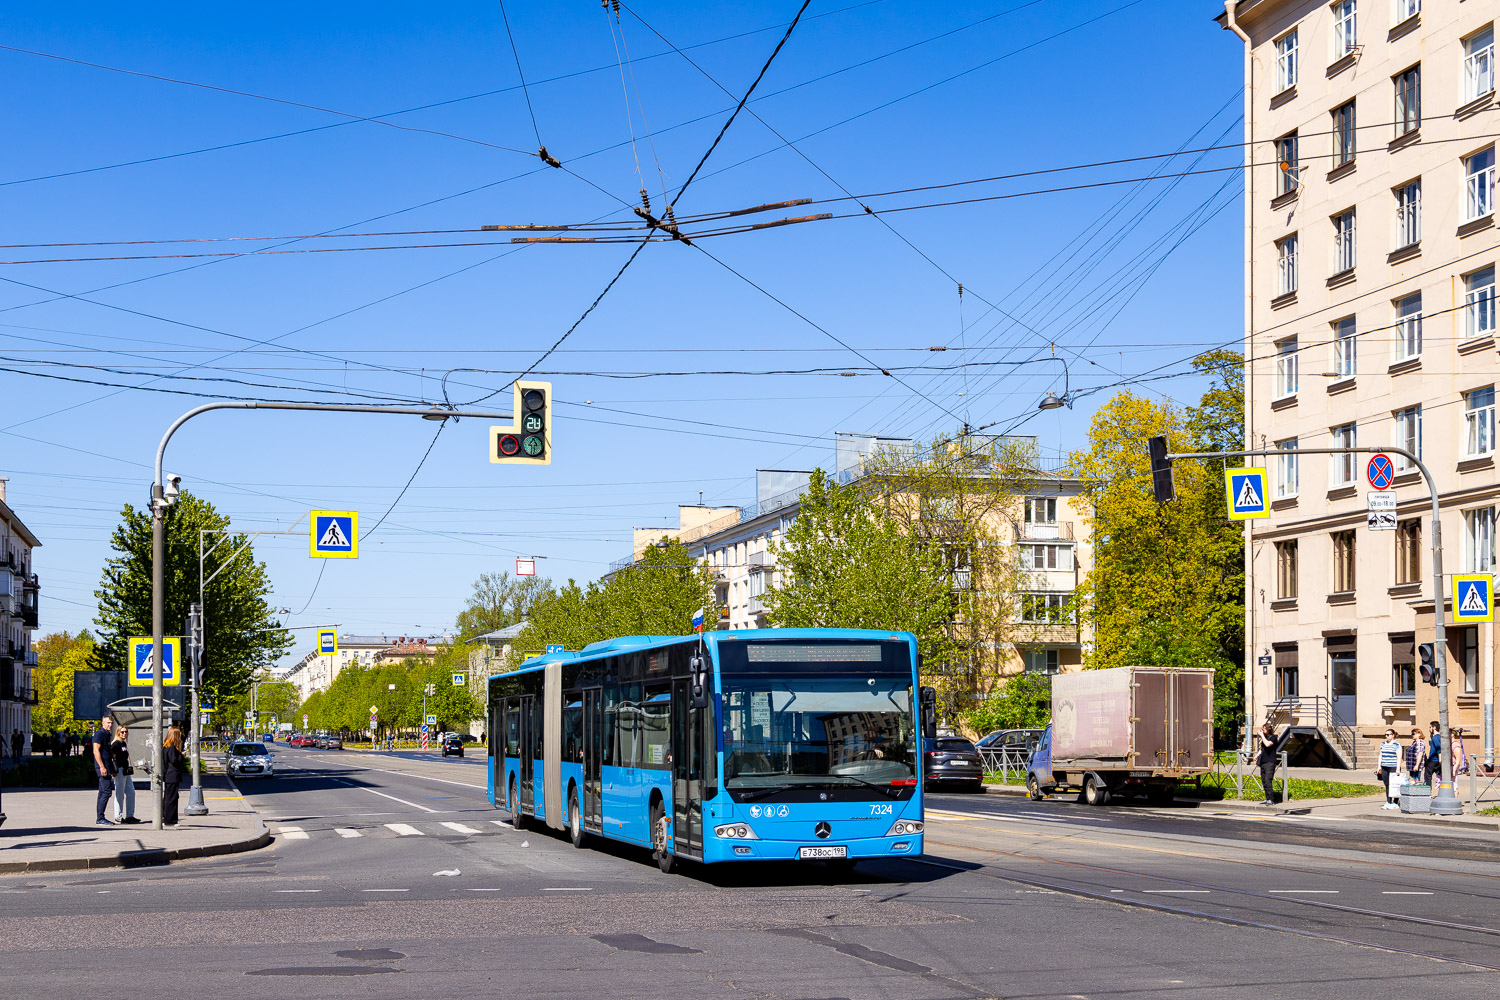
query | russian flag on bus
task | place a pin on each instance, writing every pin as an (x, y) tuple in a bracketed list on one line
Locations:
[(698, 620)]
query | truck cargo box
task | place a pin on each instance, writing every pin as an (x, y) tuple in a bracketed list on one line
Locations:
[(1156, 718)]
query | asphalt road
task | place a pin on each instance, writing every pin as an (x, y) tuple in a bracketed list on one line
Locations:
[(391, 874)]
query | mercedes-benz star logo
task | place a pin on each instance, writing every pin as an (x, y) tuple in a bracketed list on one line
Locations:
[(823, 830)]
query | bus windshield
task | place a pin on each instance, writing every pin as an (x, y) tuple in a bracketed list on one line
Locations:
[(850, 729)]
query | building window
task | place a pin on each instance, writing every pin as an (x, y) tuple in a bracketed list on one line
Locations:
[(1286, 469), (1409, 552), (1041, 661), (1286, 159), (1344, 348), (1341, 466), (1408, 214), (1479, 184), (1479, 422), (1479, 303), (1408, 435), (1041, 510), (1286, 265), (1343, 134), (1406, 9), (1286, 61), (1286, 673), (1468, 659), (1286, 368), (1343, 242), (1343, 562), (1045, 609), (1345, 36), (1286, 570), (1479, 64), (1408, 100), (1403, 666), (1034, 557), (1479, 540), (1408, 326)]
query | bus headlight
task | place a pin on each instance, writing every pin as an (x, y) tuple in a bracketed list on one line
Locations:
[(735, 831), (902, 827)]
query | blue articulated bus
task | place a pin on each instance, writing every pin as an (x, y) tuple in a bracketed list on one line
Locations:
[(760, 744)]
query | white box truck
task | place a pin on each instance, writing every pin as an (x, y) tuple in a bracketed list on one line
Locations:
[(1124, 731)]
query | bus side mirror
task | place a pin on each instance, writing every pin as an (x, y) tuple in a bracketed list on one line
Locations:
[(698, 686), (929, 712)]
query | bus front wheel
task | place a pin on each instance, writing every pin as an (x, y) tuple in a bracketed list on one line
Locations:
[(660, 826), (517, 821)]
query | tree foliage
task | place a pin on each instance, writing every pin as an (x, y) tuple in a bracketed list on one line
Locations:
[(241, 634), (1023, 701), (58, 655), (658, 595), (499, 601), (345, 705), (1167, 585)]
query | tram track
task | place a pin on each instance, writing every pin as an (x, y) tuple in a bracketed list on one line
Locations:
[(988, 870)]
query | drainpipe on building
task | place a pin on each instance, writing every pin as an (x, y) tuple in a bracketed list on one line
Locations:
[(1232, 25)]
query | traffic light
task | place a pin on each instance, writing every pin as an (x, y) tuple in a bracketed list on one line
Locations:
[(1161, 471), (529, 440), (1426, 665), (194, 652)]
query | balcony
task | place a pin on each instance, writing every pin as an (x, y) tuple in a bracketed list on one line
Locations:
[(756, 606), (963, 579), (760, 561), (1035, 531), (720, 575), (29, 615)]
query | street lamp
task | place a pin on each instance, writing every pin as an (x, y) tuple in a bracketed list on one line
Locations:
[(164, 491)]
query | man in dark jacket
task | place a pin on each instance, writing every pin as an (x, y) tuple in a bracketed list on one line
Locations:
[(1434, 753), (104, 766)]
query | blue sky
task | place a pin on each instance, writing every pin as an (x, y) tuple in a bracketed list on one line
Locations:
[(1117, 280)]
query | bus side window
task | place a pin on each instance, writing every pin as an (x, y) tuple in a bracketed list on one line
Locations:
[(630, 754), (513, 733), (572, 731), (611, 726), (655, 729)]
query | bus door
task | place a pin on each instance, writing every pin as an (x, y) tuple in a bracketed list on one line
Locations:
[(593, 748), (528, 753), (687, 771)]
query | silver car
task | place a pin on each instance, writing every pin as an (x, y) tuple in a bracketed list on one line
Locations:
[(248, 760)]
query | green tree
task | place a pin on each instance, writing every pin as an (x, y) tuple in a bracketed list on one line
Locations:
[(58, 655), (1023, 701), (499, 601), (1167, 584), (241, 634), (849, 563)]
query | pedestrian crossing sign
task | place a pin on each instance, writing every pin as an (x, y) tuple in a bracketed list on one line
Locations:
[(142, 669), (1473, 598), (333, 534), (1246, 492)]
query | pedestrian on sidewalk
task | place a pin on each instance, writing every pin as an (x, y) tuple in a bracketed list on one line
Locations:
[(1434, 753), (104, 767), (124, 782), (1265, 742), (1416, 757), (17, 742), (1390, 762), (173, 763), (1460, 755)]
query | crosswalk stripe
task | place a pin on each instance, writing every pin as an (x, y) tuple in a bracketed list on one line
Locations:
[(460, 828), (292, 833), (404, 830), (499, 822), (345, 832)]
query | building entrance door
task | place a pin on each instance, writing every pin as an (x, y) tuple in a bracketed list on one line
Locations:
[(1342, 667)]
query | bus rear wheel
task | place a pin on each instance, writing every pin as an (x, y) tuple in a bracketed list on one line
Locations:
[(575, 820)]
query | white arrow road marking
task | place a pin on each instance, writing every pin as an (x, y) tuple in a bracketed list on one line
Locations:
[(447, 873), (346, 833), (460, 828), (404, 830)]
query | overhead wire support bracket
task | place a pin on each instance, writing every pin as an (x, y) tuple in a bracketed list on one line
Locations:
[(548, 158)]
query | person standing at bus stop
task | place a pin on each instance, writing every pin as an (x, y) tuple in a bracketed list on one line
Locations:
[(1434, 765), (173, 764), (1265, 742), (104, 767)]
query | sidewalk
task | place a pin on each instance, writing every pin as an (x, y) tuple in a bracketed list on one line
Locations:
[(52, 829)]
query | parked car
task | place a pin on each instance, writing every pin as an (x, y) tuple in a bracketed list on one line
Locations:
[(1018, 741), (332, 743), (245, 759), (468, 738), (952, 760), (300, 740), (453, 744)]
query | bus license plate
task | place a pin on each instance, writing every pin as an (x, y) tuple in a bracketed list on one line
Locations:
[(819, 853)]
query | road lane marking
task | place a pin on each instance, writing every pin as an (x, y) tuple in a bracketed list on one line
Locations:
[(566, 888), (292, 833), (1390, 892), (460, 828), (404, 830), (385, 890), (499, 822), (470, 888), (1175, 890), (402, 801), (345, 832), (295, 890), (411, 774), (1322, 892)]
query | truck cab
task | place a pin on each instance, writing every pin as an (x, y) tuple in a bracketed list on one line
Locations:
[(1039, 767)]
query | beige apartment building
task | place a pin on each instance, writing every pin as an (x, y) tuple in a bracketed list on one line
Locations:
[(1370, 321)]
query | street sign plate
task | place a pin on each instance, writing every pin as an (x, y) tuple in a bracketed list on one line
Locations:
[(1381, 515), (525, 567), (554, 647), (431, 721), (459, 680), (333, 534), (328, 641), (1473, 598), (140, 661), (1245, 490), (1380, 471), (1263, 661)]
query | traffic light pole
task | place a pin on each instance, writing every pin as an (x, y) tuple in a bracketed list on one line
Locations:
[(160, 502), (1446, 803)]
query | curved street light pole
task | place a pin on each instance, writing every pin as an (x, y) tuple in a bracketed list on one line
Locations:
[(160, 502)]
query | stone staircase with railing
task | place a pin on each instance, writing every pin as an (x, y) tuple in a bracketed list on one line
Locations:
[(1300, 719)]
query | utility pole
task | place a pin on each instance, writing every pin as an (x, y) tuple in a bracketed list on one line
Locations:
[(164, 492)]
